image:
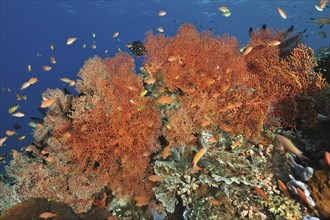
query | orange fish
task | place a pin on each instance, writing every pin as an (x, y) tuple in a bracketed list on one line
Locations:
[(214, 202), (141, 201), (46, 68), (150, 81), (166, 152), (15, 154), (261, 193), (212, 140), (206, 123), (235, 144), (327, 158), (155, 178), (303, 196), (247, 50), (284, 189), (46, 103), (197, 157), (47, 215), (165, 100)]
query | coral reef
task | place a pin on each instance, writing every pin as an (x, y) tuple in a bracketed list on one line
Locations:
[(214, 82), (127, 143)]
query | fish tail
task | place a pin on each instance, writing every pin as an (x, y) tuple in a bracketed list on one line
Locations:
[(195, 168)]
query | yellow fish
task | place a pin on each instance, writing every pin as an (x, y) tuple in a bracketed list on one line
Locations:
[(13, 108), (70, 40), (197, 157), (285, 142)]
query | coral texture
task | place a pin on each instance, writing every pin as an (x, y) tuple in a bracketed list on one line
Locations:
[(215, 82)]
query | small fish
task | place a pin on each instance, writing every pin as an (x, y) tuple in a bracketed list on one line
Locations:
[(20, 138), (52, 47), (52, 60), (206, 123), (143, 93), (90, 106), (2, 141), (212, 140), (115, 34), (43, 152), (70, 40), (15, 154), (83, 46), (155, 178), (274, 43), (223, 9), (46, 103), (261, 193), (214, 202), (13, 108), (18, 114), (25, 85), (141, 201), (50, 160), (173, 58), (226, 14), (47, 215), (285, 142), (29, 68), (151, 80), (197, 157), (282, 12), (93, 35), (46, 68), (166, 152), (165, 100), (161, 13), (160, 29), (32, 124), (247, 50), (327, 158), (40, 55), (284, 189), (10, 133), (323, 4), (322, 21), (32, 80), (303, 196), (93, 46)]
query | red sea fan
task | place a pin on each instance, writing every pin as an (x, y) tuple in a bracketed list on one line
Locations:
[(113, 130)]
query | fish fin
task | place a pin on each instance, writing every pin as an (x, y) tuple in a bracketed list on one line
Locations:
[(302, 157)]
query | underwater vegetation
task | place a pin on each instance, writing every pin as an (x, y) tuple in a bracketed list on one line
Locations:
[(193, 133)]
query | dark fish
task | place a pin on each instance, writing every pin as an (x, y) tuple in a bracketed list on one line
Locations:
[(250, 31), (42, 111), (322, 21), (39, 120), (290, 29), (323, 34), (263, 27), (66, 91), (17, 126), (136, 47), (304, 30)]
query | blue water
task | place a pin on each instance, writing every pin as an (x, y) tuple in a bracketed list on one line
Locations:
[(30, 27)]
